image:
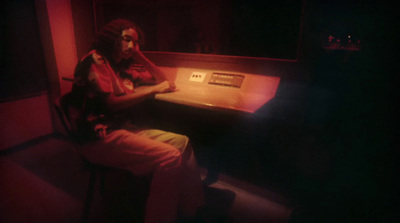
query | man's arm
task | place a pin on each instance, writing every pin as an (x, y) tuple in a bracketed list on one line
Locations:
[(150, 66), (116, 103), (101, 70)]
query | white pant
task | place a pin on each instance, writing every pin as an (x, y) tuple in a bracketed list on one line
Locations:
[(176, 183)]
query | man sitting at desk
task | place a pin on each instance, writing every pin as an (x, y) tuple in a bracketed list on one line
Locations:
[(106, 85)]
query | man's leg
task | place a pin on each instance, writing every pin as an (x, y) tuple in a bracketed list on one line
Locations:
[(192, 194), (141, 155)]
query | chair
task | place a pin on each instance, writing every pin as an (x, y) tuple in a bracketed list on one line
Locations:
[(61, 106)]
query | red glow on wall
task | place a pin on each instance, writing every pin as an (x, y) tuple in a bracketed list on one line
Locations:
[(24, 120), (62, 31)]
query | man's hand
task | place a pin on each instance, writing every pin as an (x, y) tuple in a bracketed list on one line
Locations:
[(165, 86), (137, 55), (139, 58), (101, 130)]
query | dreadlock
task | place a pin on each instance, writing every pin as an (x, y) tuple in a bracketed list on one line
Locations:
[(108, 36)]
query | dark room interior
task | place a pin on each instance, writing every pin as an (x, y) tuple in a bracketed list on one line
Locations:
[(320, 149)]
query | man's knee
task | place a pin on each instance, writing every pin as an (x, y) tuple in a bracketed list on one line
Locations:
[(180, 142), (172, 158)]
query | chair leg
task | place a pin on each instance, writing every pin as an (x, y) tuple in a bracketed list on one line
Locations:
[(89, 195)]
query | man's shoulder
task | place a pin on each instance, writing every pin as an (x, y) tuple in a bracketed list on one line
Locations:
[(95, 57), (83, 68)]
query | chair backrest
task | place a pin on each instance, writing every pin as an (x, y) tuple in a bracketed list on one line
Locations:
[(66, 114), (64, 107)]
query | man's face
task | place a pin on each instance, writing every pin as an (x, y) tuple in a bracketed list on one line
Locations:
[(128, 43)]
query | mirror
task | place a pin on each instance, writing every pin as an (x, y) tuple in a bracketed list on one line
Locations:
[(255, 29)]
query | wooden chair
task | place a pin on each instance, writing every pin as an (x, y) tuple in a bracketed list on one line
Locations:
[(61, 106)]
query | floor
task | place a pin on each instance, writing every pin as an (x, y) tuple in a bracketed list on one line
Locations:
[(45, 182)]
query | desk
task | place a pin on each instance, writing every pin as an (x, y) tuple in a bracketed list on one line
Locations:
[(222, 130), (254, 91)]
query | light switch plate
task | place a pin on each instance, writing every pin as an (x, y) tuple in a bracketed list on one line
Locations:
[(197, 76)]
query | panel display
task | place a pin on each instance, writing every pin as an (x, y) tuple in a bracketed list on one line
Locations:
[(230, 80)]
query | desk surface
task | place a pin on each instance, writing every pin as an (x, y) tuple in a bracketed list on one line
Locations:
[(254, 92)]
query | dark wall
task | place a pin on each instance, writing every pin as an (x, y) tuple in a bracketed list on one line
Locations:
[(339, 162), (22, 65), (264, 29)]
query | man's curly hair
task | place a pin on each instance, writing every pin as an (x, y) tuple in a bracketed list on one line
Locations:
[(108, 36)]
